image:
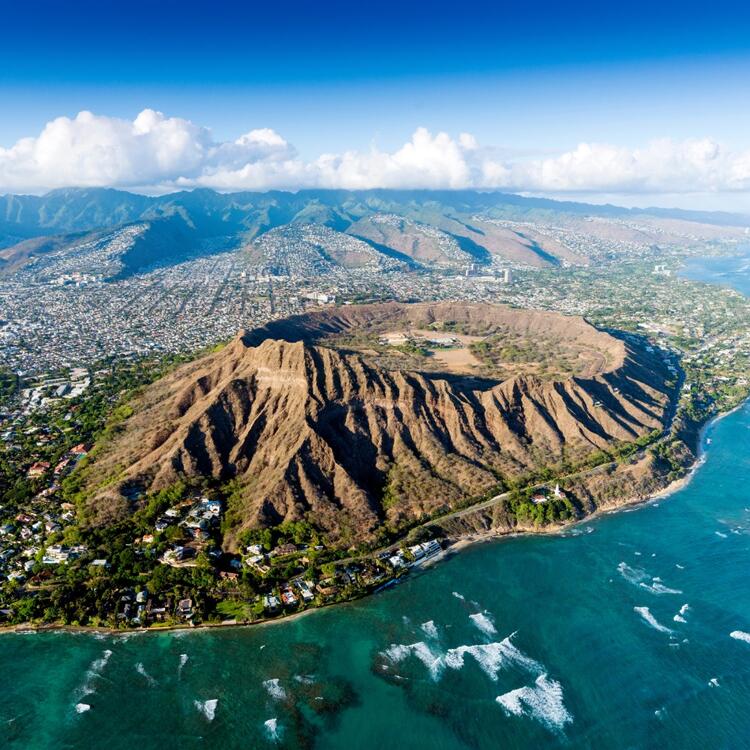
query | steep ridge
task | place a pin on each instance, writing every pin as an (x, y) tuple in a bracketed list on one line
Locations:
[(308, 431)]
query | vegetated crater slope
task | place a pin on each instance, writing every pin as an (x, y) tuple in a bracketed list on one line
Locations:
[(350, 442)]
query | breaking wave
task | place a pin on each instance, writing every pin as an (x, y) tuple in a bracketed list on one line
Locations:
[(142, 671), (632, 575), (680, 616), (650, 620), (81, 708), (740, 636), (272, 729), (92, 674), (183, 661), (484, 623), (639, 577), (492, 657), (459, 596), (274, 689), (207, 708), (542, 702), (434, 662), (657, 587), (429, 629)]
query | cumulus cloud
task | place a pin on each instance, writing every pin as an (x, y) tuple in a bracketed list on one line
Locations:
[(157, 152)]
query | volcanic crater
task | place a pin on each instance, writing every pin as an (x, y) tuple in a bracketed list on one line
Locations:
[(363, 416)]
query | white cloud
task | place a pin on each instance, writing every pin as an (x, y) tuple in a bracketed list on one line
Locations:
[(158, 152)]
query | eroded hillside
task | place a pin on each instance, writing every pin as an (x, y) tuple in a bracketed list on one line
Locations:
[(339, 437)]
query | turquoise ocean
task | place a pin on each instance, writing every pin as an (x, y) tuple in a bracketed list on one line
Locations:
[(629, 631)]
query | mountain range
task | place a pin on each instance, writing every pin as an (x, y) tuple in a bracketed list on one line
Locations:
[(449, 230)]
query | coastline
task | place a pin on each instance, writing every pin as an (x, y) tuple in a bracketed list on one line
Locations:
[(455, 544)]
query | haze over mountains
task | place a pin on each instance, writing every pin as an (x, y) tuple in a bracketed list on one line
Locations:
[(381, 229)]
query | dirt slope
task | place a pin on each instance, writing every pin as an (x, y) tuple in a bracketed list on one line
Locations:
[(312, 432)]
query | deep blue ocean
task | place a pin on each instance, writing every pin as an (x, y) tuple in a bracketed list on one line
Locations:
[(630, 631)]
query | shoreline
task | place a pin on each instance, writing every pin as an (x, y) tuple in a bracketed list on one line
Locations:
[(455, 546)]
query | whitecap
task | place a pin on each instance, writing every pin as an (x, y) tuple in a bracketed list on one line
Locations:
[(658, 588), (433, 661), (273, 731), (645, 613), (207, 708), (680, 616), (142, 671), (92, 674), (680, 567), (713, 682), (274, 689), (483, 622), (459, 596), (720, 534), (492, 657), (632, 575), (429, 629), (543, 702), (740, 635), (81, 708)]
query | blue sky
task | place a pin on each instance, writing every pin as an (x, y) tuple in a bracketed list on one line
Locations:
[(527, 81)]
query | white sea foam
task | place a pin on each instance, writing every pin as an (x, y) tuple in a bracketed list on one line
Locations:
[(272, 729), (207, 708), (713, 682), (680, 567), (92, 674), (650, 620), (720, 534), (740, 636), (492, 657), (142, 671), (81, 708), (274, 689), (542, 702), (632, 575), (657, 587), (183, 661), (639, 577), (434, 662), (484, 623), (680, 616), (459, 596), (429, 629), (98, 664), (304, 679)]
